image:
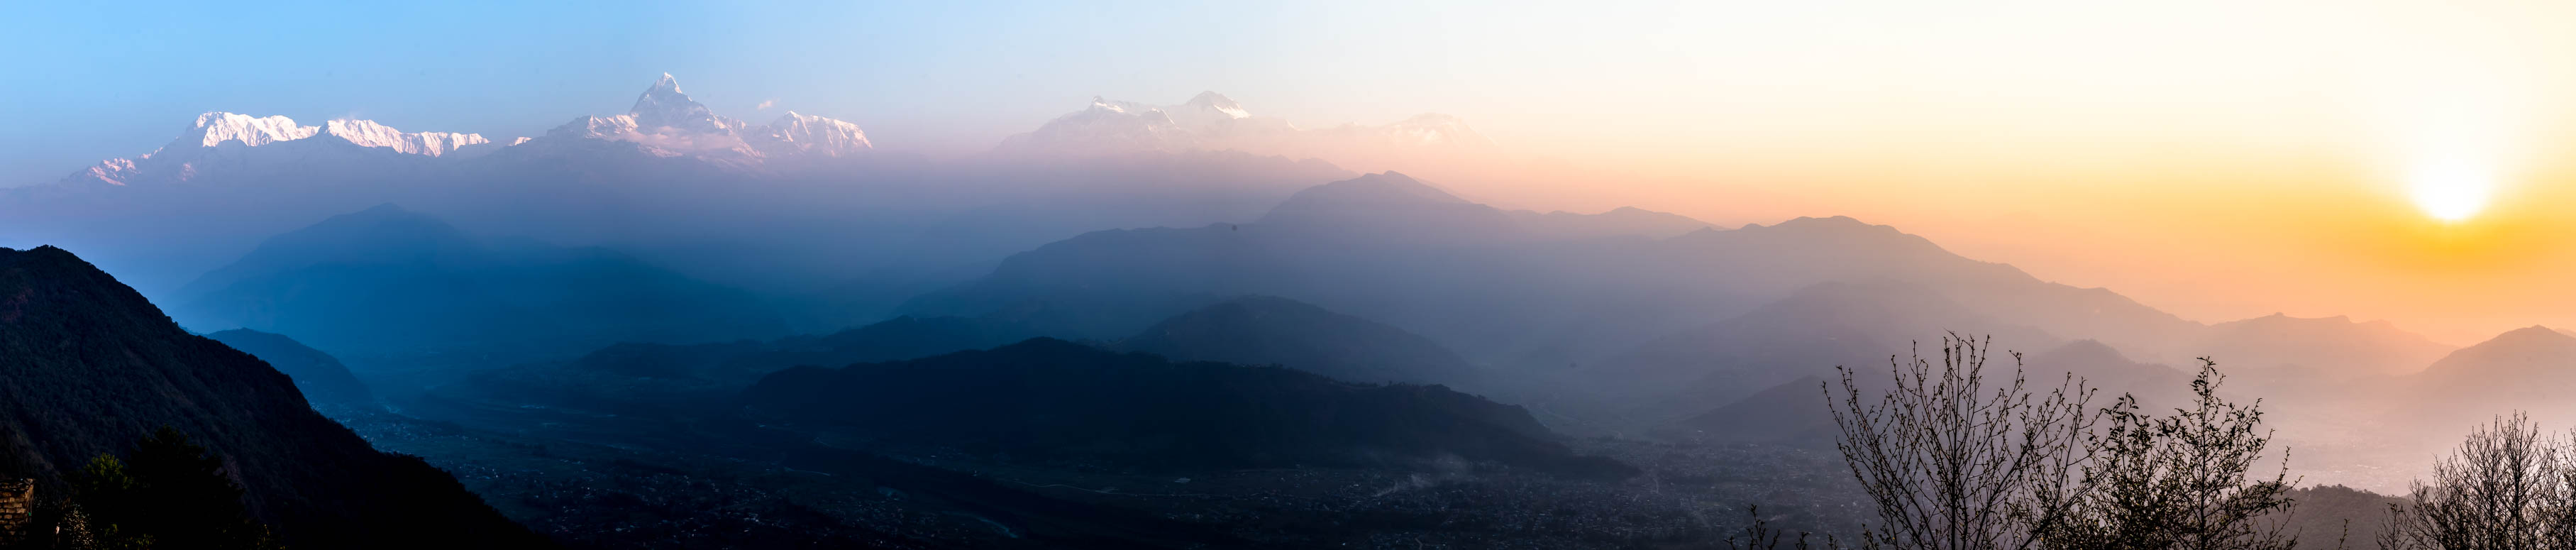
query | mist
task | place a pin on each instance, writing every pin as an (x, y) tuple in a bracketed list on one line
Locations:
[(1131, 276)]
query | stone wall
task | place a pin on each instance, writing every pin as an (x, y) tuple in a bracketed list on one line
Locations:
[(17, 503)]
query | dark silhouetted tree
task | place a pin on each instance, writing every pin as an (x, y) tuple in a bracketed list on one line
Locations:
[(2181, 481), (2505, 488), (1951, 464)]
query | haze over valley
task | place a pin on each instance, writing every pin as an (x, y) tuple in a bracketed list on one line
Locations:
[(1504, 308)]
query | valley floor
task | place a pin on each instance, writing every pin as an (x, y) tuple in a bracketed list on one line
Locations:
[(602, 481)]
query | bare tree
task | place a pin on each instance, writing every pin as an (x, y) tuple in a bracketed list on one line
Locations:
[(2505, 488), (1954, 465), (2180, 481)]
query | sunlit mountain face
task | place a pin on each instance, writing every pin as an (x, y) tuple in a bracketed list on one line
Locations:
[(1333, 274)]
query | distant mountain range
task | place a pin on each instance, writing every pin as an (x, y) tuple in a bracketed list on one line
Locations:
[(647, 379), (1629, 317), (1390, 248), (1095, 226), (2326, 346), (389, 280), (1211, 121), (663, 123), (800, 205), (92, 367)]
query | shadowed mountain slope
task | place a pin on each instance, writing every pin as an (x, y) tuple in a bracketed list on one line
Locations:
[(90, 366), (322, 378)]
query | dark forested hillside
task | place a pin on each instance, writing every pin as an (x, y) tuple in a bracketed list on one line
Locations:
[(1053, 399), (87, 366)]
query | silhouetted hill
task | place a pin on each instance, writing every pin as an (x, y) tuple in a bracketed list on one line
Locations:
[(1625, 221), (1792, 413), (322, 378), (2531, 369), (2527, 354), (2326, 346), (90, 367), (1387, 248), (1394, 207), (1055, 400), (388, 280), (1808, 333), (1266, 330), (2156, 385), (663, 379), (2327, 514)]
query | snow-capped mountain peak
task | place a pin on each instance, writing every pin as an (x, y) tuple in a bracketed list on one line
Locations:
[(1212, 121), (367, 133), (802, 133), (664, 105), (666, 122), (216, 127), (221, 138), (1219, 103)]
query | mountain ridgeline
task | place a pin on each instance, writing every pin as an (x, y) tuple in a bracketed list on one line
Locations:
[(639, 378), (1267, 330), (1060, 401), (322, 379), (389, 280), (90, 367)]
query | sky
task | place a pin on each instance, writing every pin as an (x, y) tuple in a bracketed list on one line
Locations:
[(2216, 159)]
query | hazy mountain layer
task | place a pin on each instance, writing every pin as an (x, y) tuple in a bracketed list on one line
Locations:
[(667, 379), (321, 378), (1053, 400), (1389, 248), (388, 280), (1264, 330)]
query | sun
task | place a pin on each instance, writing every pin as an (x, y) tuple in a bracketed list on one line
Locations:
[(2451, 191)]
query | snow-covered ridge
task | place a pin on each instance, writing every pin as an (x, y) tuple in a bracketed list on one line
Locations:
[(666, 122), (216, 127), (218, 135), (367, 133), (1212, 121), (813, 134)]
